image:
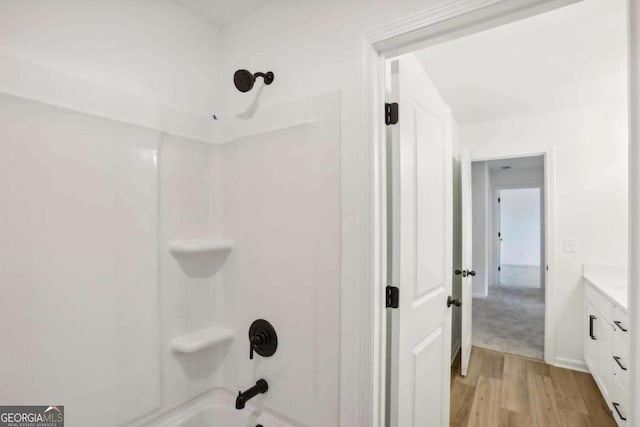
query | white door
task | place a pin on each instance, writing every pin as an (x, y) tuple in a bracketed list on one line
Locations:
[(467, 269), (421, 242)]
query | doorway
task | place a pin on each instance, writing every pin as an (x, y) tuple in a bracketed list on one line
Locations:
[(508, 142), (509, 252), (520, 237)]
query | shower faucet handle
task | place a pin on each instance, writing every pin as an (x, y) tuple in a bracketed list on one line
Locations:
[(262, 338)]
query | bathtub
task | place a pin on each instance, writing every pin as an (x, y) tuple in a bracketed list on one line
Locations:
[(216, 408)]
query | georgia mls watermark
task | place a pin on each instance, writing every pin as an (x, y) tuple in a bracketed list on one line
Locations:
[(32, 416)]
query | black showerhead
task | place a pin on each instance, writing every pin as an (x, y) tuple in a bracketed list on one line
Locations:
[(244, 80)]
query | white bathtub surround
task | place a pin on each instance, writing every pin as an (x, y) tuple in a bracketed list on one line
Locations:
[(276, 183), (97, 205), (80, 277), (216, 408), (201, 257), (195, 246), (202, 339)]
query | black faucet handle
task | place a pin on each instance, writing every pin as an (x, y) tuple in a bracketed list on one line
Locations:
[(262, 339)]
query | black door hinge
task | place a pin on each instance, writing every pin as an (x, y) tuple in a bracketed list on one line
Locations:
[(390, 113), (498, 199), (392, 297), (499, 234), (499, 269)]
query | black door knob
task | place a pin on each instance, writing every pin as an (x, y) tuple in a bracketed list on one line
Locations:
[(458, 272), (453, 301), (471, 273)]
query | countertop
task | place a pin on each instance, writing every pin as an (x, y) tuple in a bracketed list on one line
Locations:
[(610, 281)]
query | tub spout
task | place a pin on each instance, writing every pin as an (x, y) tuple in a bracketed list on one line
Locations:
[(244, 396)]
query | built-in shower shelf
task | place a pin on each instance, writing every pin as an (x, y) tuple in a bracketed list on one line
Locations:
[(202, 339), (194, 246)]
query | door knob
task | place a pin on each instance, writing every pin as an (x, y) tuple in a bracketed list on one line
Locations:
[(453, 301), (458, 272), (471, 273)]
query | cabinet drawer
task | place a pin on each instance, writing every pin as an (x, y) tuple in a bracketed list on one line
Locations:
[(599, 302), (619, 403), (621, 322), (620, 359)]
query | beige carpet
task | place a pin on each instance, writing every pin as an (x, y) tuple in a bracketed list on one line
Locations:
[(510, 320)]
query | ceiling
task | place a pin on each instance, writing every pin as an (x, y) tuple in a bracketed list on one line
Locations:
[(222, 12), (569, 57), (517, 163)]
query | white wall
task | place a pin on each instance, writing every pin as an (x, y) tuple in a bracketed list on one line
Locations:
[(156, 50), (481, 230), (520, 226), (527, 177), (590, 195)]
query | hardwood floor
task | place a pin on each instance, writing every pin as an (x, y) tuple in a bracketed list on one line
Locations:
[(511, 391)]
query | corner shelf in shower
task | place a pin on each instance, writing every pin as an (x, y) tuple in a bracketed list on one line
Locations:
[(194, 246), (201, 340)]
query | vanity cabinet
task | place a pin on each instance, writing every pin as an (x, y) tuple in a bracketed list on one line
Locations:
[(606, 347)]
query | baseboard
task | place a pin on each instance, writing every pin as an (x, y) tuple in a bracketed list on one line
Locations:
[(456, 349), (573, 364)]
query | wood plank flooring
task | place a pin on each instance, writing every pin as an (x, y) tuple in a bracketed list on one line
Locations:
[(502, 390)]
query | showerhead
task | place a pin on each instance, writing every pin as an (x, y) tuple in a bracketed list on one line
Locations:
[(244, 80)]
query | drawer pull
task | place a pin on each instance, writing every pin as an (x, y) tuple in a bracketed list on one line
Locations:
[(615, 406), (591, 319), (619, 325), (617, 359)]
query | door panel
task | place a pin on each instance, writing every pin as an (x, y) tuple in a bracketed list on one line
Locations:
[(421, 250), (430, 234)]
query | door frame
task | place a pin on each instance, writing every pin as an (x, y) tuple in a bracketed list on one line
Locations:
[(550, 315), (434, 25)]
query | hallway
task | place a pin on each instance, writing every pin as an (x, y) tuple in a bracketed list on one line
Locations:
[(510, 320), (511, 391)]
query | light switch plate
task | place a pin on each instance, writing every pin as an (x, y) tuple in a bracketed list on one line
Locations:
[(569, 245)]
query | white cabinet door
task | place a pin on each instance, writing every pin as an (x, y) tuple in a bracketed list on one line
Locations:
[(421, 250), (605, 355)]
